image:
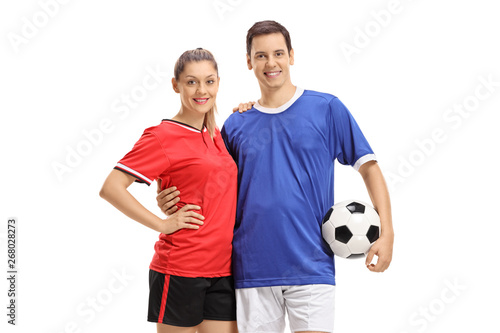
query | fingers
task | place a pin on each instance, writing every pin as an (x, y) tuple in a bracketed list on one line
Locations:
[(167, 193), (193, 220), (170, 211), (189, 207), (245, 106), (167, 199), (378, 268), (168, 206), (185, 218), (190, 226), (190, 223), (242, 107), (191, 216), (381, 265), (160, 198), (369, 258), (158, 186)]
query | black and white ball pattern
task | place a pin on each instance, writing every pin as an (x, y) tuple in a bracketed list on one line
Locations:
[(350, 228)]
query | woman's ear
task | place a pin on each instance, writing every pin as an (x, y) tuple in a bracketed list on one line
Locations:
[(174, 85)]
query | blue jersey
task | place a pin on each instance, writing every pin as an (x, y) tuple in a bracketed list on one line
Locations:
[(285, 159)]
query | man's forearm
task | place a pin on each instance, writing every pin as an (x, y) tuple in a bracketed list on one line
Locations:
[(379, 195)]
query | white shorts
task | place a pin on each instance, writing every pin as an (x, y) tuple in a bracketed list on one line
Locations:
[(309, 307)]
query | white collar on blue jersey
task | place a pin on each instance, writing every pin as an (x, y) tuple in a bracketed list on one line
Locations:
[(298, 93)]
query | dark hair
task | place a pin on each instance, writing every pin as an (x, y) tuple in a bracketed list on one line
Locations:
[(198, 55), (266, 28)]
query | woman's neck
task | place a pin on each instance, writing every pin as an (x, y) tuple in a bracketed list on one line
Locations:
[(192, 120)]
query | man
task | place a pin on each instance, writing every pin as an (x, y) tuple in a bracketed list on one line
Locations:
[(285, 147)]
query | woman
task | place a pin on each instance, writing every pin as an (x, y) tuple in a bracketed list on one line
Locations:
[(191, 287)]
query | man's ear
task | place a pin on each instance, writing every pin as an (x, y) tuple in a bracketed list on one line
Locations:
[(174, 85), (249, 62), (291, 57)]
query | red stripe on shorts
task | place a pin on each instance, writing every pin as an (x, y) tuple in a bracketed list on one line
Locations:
[(164, 298)]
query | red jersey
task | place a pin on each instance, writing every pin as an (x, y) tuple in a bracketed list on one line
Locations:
[(206, 175)]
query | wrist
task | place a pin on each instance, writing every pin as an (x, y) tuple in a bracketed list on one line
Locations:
[(158, 224), (387, 234)]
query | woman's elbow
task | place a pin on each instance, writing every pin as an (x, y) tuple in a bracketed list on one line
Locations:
[(102, 192), (105, 191)]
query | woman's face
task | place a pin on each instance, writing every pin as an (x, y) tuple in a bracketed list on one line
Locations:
[(197, 85)]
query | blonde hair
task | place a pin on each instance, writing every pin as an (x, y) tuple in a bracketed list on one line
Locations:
[(197, 55)]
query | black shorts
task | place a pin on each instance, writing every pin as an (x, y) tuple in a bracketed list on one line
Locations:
[(186, 302)]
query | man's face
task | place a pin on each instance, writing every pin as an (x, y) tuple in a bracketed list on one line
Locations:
[(270, 60)]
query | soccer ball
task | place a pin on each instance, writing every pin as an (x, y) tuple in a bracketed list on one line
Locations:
[(350, 228)]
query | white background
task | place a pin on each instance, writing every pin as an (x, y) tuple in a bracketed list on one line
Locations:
[(66, 68)]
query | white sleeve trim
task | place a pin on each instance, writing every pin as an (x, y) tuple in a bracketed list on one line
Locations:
[(132, 171), (363, 159)]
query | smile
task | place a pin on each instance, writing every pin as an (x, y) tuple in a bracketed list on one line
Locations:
[(272, 74), (200, 101)]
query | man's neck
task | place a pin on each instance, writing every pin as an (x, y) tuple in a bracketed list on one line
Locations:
[(273, 98)]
